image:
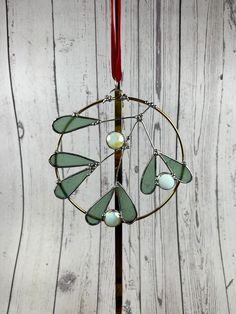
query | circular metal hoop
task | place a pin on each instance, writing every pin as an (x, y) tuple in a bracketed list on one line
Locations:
[(163, 115)]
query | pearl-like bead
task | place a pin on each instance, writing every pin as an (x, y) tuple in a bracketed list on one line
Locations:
[(115, 140), (166, 181), (112, 218)]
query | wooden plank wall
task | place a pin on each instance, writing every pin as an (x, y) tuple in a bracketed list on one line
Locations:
[(55, 59)]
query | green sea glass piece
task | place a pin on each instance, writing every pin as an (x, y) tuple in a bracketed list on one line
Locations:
[(68, 124), (181, 172), (95, 213), (65, 160), (67, 186), (148, 180), (126, 205)]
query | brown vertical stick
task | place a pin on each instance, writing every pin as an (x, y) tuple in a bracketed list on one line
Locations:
[(118, 229)]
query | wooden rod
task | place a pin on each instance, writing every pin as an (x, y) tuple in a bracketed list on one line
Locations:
[(118, 229)]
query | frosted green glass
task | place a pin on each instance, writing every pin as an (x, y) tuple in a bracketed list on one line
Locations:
[(95, 213), (64, 160), (68, 124), (148, 180), (126, 205), (181, 172), (67, 186)]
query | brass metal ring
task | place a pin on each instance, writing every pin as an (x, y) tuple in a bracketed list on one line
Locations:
[(138, 100)]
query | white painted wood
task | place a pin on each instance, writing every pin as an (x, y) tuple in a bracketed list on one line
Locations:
[(30, 42), (226, 144), (130, 86), (11, 180), (202, 53), (160, 278), (105, 83), (75, 60), (64, 265)]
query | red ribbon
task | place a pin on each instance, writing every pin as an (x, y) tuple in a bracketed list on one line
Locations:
[(115, 41)]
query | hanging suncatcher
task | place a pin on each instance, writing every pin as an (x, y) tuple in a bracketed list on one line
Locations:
[(117, 142)]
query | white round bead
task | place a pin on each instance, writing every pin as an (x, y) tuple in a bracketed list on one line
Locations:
[(112, 218), (115, 140), (166, 181)]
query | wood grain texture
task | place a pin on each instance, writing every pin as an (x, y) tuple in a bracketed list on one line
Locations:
[(11, 183), (55, 59), (202, 65), (106, 302), (159, 250), (225, 162), (130, 84), (31, 66), (75, 63)]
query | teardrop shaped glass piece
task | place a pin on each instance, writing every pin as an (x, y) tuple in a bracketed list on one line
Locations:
[(68, 124), (95, 213), (64, 160), (181, 172), (126, 205), (148, 180), (67, 186)]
